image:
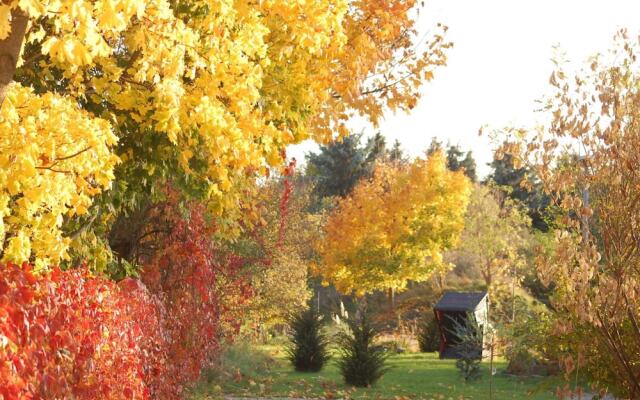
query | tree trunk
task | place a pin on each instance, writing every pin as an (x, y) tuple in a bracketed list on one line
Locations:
[(10, 50), (392, 298)]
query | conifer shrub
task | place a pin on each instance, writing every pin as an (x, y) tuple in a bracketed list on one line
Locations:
[(308, 350), (469, 348), (362, 361), (429, 335)]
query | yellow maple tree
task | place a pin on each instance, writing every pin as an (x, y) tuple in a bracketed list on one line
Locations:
[(233, 82), (393, 228)]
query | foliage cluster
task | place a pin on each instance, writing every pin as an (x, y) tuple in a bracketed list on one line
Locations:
[(394, 227), (279, 287), (69, 334), (105, 104), (528, 345), (201, 287), (207, 94)]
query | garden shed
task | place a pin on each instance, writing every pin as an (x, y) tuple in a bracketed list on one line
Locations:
[(456, 309)]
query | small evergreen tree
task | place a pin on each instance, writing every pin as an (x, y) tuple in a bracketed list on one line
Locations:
[(308, 350), (469, 348), (429, 335), (362, 362)]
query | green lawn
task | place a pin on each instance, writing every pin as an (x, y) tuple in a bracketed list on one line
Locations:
[(413, 376)]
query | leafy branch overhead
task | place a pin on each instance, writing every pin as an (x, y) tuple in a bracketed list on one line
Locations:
[(218, 90)]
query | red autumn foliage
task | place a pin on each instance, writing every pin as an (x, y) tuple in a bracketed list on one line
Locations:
[(68, 334), (71, 335), (201, 288)]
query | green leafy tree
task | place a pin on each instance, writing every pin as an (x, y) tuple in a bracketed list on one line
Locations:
[(284, 237), (495, 237)]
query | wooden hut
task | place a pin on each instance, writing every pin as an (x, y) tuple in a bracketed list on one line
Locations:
[(456, 308)]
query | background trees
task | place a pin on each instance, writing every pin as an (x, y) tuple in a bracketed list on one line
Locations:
[(457, 160), (340, 165), (495, 236), (532, 194), (393, 228)]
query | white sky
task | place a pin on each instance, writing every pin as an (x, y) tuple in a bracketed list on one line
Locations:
[(499, 65)]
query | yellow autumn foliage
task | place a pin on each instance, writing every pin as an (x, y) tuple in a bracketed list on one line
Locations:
[(233, 82), (56, 159), (393, 228)]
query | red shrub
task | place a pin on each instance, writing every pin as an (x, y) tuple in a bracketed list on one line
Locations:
[(202, 291), (69, 334)]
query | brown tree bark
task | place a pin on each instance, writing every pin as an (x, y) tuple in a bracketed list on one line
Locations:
[(10, 50)]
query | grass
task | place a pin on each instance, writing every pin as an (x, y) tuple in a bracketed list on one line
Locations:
[(264, 371)]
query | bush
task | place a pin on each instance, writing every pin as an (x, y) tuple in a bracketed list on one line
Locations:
[(469, 348), (362, 362), (68, 334), (201, 288), (530, 347), (429, 335), (308, 349)]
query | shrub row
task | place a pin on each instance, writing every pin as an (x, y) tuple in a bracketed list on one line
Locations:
[(69, 334), (66, 334)]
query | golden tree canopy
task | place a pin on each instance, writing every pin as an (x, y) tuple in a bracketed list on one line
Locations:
[(228, 82), (394, 227)]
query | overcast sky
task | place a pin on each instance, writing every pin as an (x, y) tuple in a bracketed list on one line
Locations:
[(499, 65)]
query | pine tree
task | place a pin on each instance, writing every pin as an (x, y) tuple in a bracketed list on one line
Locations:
[(396, 153), (457, 160), (337, 167), (429, 335), (505, 174), (308, 350), (362, 362)]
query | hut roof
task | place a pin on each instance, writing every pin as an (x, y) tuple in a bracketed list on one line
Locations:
[(460, 301)]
